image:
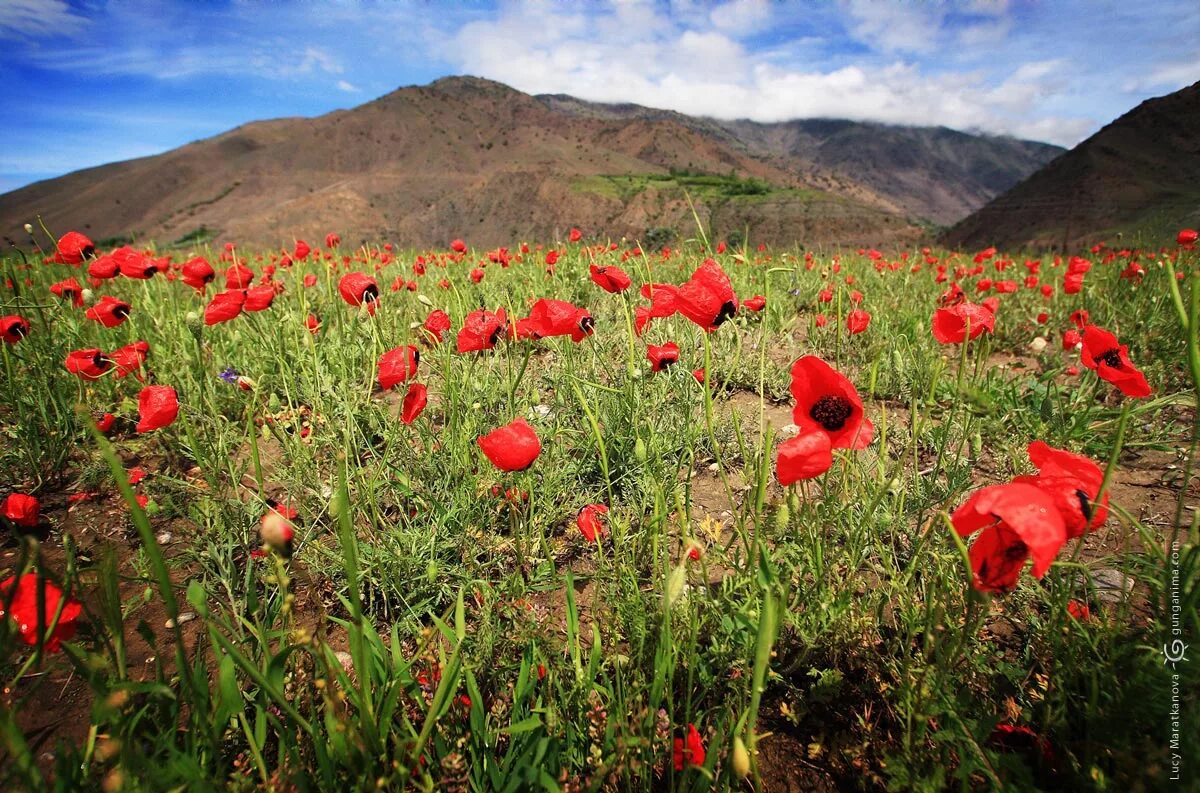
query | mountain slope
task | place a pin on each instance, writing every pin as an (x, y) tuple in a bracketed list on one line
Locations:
[(1140, 174), (473, 158)]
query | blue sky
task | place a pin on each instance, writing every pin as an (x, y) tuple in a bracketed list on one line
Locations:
[(87, 82)]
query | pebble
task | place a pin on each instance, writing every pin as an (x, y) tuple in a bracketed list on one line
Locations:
[(187, 616), (165, 538)]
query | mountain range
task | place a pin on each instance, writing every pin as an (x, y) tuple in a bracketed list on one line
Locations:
[(471, 158)]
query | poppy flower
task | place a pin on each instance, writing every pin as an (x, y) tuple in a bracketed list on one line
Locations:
[(105, 422), (415, 400), (332, 240), (22, 595), (359, 289), (641, 318), (827, 402), (706, 298), (109, 312), (103, 268), (224, 306), (857, 321), (575, 236), (690, 750), (661, 356), (397, 365), (276, 532), (313, 324), (310, 281), (552, 257), (1071, 339), (1080, 318), (1073, 481), (14, 328), (1110, 360), (129, 359), (1018, 521), (950, 324), (756, 303), (259, 298), (436, 326), (198, 273), (88, 364), (134, 264), (458, 246), (69, 289), (806, 456), (158, 406), (700, 375), (589, 523), (476, 275), (825, 296), (512, 447), (72, 248), (301, 250), (22, 509), (1187, 238), (549, 318), (1078, 611), (481, 330), (611, 279), (820, 320), (238, 277)]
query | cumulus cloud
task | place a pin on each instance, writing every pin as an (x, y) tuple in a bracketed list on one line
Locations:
[(706, 65)]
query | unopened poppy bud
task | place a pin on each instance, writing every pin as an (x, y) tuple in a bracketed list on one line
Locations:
[(276, 532), (273, 402), (741, 758), (676, 584), (783, 516), (639, 450), (87, 295), (425, 301), (28, 228), (431, 570), (1038, 344)]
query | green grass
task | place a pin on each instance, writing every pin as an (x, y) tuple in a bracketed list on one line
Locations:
[(427, 634)]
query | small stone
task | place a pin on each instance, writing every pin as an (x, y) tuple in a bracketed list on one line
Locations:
[(164, 538), (185, 617)]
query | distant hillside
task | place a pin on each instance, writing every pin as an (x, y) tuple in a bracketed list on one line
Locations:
[(473, 158), (1140, 175)]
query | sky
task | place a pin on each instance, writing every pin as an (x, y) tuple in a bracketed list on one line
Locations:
[(86, 82)]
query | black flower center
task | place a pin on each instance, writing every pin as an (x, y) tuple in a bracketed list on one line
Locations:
[(728, 309), (1112, 358), (495, 335), (586, 324), (1085, 505), (87, 250), (831, 412), (17, 331), (416, 357), (667, 360), (101, 361), (370, 294), (1016, 552), (121, 311)]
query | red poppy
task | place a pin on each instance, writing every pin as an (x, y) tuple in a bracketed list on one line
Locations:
[(641, 319), (397, 365), (198, 273), (88, 364), (512, 447), (458, 246), (706, 298), (1078, 611), (359, 289), (301, 251), (313, 324), (332, 240), (552, 257), (804, 457), (482, 329), (14, 328), (103, 268), (436, 326), (575, 236), (22, 595), (1071, 339), (820, 320), (825, 296), (827, 402), (105, 422), (109, 312), (158, 406), (259, 298), (857, 321), (550, 318), (310, 281), (129, 359), (238, 277), (1110, 360), (699, 374), (1073, 481), (1080, 318), (415, 401), (690, 750), (661, 356), (22, 509), (476, 275), (756, 303), (276, 531), (950, 324), (1019, 521), (1187, 238), (73, 248), (224, 306), (589, 523), (69, 289), (134, 264), (610, 279)]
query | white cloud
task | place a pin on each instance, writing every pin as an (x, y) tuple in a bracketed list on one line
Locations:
[(35, 18), (741, 16), (348, 87)]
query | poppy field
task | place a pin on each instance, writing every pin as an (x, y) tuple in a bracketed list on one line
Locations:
[(580, 516)]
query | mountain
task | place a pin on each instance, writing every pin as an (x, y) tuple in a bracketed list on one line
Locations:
[(1138, 176), (466, 157)]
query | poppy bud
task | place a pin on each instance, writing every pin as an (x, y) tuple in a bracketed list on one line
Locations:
[(639, 450), (783, 517), (676, 584), (276, 533), (741, 757)]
